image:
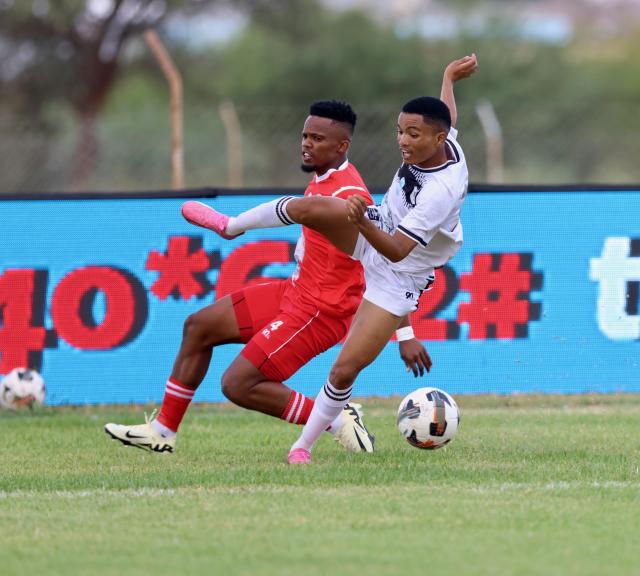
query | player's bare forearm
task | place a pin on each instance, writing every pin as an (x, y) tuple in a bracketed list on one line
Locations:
[(394, 247), (456, 70), (446, 95)]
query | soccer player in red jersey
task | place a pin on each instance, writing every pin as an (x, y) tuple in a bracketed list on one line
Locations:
[(284, 324)]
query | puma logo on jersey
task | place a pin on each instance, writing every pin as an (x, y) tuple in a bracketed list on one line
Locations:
[(410, 186)]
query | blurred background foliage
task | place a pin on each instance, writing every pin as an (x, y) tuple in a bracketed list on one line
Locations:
[(84, 106)]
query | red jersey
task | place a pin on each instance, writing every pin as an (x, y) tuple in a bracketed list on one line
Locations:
[(326, 277)]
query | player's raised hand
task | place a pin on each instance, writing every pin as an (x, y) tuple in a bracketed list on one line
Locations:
[(415, 357), (356, 208), (461, 68)]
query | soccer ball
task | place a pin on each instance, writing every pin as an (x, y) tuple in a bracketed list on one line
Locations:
[(428, 418), (21, 388)]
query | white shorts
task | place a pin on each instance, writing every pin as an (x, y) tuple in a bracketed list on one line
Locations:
[(396, 292)]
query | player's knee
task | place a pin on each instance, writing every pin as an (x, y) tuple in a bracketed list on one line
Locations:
[(305, 211), (203, 331), (299, 210), (343, 375), (231, 386), (236, 385), (193, 329)]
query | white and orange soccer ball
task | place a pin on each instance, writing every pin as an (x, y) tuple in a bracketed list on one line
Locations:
[(428, 418), (22, 388)]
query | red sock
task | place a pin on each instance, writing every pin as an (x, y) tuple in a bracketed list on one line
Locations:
[(298, 408), (175, 403)]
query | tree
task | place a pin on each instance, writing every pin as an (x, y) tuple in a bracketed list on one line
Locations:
[(71, 50)]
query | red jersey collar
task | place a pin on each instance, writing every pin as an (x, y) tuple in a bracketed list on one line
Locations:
[(328, 173)]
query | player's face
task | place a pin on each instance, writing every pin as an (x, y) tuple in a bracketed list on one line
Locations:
[(420, 143), (324, 144)]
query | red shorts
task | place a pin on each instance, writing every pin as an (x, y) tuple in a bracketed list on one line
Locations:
[(282, 337)]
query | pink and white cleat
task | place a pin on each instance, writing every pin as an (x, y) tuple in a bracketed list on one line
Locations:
[(299, 456), (206, 217)]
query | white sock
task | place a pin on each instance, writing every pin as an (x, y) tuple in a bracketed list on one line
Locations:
[(267, 215), (326, 408), (335, 425), (162, 429)]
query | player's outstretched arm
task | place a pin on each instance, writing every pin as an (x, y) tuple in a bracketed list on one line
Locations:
[(456, 70)]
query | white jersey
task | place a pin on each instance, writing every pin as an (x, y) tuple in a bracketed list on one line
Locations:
[(424, 204)]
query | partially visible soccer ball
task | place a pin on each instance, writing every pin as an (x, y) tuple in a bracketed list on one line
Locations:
[(21, 388), (428, 418)]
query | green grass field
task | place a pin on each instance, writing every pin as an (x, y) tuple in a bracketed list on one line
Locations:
[(531, 485)]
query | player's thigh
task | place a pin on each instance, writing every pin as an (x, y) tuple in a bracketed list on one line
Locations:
[(291, 340), (328, 216), (213, 325), (371, 329), (256, 305)]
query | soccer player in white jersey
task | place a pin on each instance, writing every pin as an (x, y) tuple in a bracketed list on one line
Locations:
[(400, 243)]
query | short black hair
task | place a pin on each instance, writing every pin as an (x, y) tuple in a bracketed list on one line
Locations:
[(335, 110), (433, 110)]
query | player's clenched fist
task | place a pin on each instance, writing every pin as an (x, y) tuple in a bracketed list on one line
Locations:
[(461, 68), (356, 208)]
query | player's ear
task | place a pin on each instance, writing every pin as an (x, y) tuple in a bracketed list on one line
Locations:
[(441, 137), (344, 146)]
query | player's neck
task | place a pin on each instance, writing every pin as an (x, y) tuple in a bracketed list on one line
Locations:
[(335, 166)]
